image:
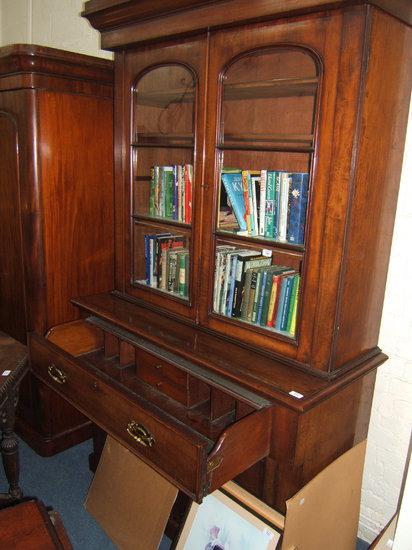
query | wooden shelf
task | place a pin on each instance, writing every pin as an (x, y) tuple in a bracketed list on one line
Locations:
[(175, 295), (164, 140), (281, 87), (270, 142), (159, 221), (263, 241), (163, 98)]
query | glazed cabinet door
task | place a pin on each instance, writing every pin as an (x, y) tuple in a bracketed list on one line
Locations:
[(161, 174), (272, 96)]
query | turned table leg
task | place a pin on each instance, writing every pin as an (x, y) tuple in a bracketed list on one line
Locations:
[(9, 448)]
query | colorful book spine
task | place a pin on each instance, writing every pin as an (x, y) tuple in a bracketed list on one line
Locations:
[(175, 204), (284, 203), (231, 284), (280, 305), (152, 192), (188, 177), (255, 184), (263, 179), (232, 182), (269, 204), (245, 187), (298, 200), (293, 302), (266, 299), (276, 204), (286, 304), (273, 299), (263, 279)]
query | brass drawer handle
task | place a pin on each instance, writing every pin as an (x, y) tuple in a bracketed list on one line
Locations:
[(140, 434), (57, 375)]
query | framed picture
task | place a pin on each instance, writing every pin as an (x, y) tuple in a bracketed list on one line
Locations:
[(230, 519)]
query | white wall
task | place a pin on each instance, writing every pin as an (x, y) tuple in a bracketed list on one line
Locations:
[(57, 23), (53, 23), (391, 421)]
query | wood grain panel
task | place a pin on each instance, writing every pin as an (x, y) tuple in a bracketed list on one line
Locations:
[(12, 290), (78, 204)]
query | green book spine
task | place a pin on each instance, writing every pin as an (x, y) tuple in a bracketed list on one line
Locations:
[(246, 297), (266, 299), (256, 297), (270, 195), (187, 264), (152, 192), (293, 302), (169, 184), (182, 274), (253, 281)]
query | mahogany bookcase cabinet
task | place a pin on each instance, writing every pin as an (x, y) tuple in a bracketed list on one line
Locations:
[(207, 92), (56, 235)]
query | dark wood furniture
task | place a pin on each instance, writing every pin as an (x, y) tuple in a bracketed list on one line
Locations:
[(30, 526), (13, 367), (56, 235), (202, 396)]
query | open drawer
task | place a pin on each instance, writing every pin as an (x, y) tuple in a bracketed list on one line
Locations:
[(197, 429)]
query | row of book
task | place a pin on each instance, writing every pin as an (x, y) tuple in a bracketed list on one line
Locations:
[(167, 263), (171, 192), (248, 287), (267, 203)]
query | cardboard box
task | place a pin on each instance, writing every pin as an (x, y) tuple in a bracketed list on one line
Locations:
[(129, 500), (132, 503)]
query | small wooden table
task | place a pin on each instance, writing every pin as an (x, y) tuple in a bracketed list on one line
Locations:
[(13, 367), (29, 526)]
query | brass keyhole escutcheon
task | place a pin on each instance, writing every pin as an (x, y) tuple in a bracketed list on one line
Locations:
[(140, 434)]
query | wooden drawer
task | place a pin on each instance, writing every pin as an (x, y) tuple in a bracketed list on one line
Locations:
[(172, 381), (195, 463)]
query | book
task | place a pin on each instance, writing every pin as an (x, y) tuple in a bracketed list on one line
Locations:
[(163, 243), (272, 300), (231, 285), (188, 179), (272, 272), (180, 193), (281, 320), (281, 301), (247, 289), (293, 299), (219, 275), (257, 287), (262, 201), (269, 203), (298, 200), (260, 289), (152, 211), (234, 189), (255, 185), (241, 266), (276, 204), (292, 328), (168, 189), (247, 198), (227, 264), (284, 203)]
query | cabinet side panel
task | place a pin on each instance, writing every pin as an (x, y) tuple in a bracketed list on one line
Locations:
[(76, 167), (380, 150), (12, 291), (326, 431)]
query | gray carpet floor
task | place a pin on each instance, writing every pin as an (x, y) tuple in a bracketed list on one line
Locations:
[(62, 482)]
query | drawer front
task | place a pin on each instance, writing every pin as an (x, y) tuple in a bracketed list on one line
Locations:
[(164, 376), (179, 456)]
